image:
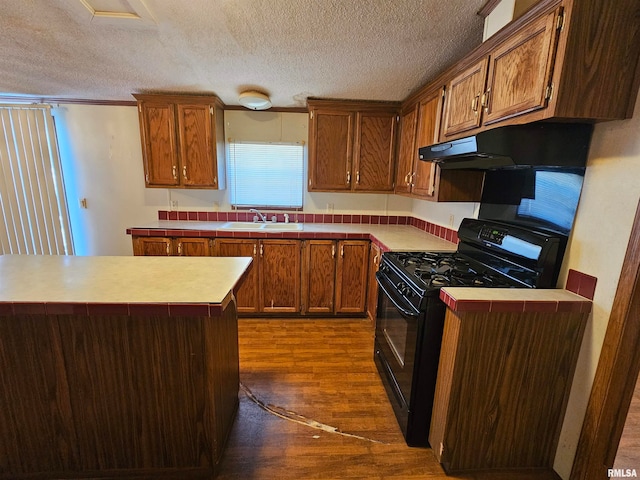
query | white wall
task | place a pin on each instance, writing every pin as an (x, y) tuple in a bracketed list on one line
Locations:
[(102, 162)]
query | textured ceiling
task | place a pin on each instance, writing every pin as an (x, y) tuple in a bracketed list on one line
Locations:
[(290, 49)]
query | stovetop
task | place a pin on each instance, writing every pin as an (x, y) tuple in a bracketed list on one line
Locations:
[(428, 271)]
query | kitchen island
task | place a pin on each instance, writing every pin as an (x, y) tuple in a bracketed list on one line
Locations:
[(118, 367)]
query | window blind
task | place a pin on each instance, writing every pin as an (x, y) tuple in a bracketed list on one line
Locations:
[(32, 200), (265, 174)]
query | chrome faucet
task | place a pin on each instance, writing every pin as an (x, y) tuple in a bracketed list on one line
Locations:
[(257, 212)]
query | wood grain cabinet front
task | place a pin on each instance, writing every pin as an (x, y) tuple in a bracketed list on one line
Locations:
[(502, 388), (564, 60), (280, 272), (352, 146), (335, 276), (182, 140), (247, 296), (166, 246), (420, 127)]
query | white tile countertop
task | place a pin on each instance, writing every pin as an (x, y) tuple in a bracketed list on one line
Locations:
[(109, 280), (392, 237)]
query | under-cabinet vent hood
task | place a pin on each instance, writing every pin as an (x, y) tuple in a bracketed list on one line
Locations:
[(514, 146)]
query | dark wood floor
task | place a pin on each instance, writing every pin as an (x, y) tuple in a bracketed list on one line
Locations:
[(322, 371)]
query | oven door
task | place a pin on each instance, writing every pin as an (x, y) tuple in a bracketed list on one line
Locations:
[(398, 326)]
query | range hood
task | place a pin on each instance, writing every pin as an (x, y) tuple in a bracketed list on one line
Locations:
[(515, 146)]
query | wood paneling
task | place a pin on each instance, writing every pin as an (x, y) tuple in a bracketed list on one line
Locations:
[(504, 380), (464, 93), (407, 150), (116, 396), (429, 119)]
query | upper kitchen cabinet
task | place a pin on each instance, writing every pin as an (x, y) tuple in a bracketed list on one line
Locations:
[(419, 127), (352, 146), (562, 60), (182, 140)]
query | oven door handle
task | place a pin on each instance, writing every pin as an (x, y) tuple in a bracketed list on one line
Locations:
[(381, 279)]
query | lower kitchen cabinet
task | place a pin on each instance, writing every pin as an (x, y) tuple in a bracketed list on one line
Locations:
[(319, 277), (372, 295), (502, 388), (247, 295), (328, 277), (351, 276), (280, 272), (335, 276), (165, 246)]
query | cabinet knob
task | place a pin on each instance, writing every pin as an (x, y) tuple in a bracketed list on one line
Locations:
[(184, 172), (348, 178)]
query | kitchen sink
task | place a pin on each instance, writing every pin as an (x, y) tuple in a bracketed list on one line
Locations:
[(256, 226)]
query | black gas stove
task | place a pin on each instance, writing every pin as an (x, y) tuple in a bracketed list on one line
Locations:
[(410, 316)]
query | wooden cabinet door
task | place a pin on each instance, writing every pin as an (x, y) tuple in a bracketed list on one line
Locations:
[(372, 294), (463, 111), (247, 294), (157, 125), (280, 273), (407, 150), (319, 276), (193, 247), (520, 70), (351, 276), (197, 159), (331, 137), (374, 151), (152, 246), (428, 132)]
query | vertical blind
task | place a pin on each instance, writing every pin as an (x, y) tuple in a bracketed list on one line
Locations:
[(33, 205), (265, 174)]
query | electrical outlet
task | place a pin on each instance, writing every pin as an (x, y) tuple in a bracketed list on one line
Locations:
[(216, 206), (173, 204), (329, 207)]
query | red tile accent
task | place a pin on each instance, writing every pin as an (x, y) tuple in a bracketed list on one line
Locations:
[(347, 218), (182, 216), (146, 309), (384, 220), (28, 308), (375, 219), (203, 216), (507, 306), (223, 216), (163, 215), (392, 219), (66, 309), (192, 215), (581, 284), (212, 216), (575, 307), (365, 219), (108, 309), (189, 309), (535, 306), (472, 306), (173, 215), (6, 308)]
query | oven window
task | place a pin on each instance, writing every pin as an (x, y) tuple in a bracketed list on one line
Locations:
[(395, 333)]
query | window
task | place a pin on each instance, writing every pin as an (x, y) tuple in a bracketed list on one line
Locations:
[(265, 174), (32, 200)]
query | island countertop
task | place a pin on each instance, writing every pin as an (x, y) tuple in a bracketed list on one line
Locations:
[(36, 279)]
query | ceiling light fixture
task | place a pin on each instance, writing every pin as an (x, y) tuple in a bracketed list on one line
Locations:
[(254, 100)]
